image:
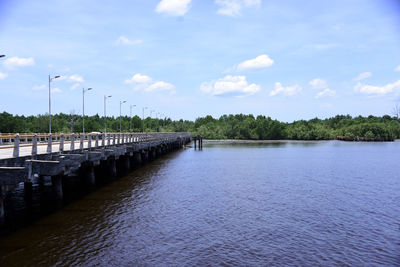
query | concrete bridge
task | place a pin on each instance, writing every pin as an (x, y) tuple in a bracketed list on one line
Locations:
[(60, 157)]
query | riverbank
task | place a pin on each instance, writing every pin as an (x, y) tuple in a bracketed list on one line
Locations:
[(284, 140)]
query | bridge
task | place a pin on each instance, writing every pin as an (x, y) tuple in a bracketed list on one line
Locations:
[(58, 157)]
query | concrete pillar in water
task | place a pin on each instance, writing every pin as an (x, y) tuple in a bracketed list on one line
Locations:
[(1, 206), (28, 192), (112, 168), (145, 156), (158, 151), (90, 176), (137, 158), (153, 154), (127, 163), (56, 183)]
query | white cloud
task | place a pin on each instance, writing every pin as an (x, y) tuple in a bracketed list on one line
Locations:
[(122, 40), (173, 7), (318, 84), (75, 85), (287, 91), (377, 90), (3, 75), (160, 86), (138, 78), (75, 78), (55, 90), (260, 62), (397, 68), (15, 62), (362, 76), (230, 86), (326, 93), (233, 8), (145, 83), (39, 87)]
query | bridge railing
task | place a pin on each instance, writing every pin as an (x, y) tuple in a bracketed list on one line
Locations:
[(64, 142)]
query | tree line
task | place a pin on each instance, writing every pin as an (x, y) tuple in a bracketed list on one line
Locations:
[(239, 126)]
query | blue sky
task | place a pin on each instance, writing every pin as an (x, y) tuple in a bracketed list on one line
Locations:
[(189, 58)]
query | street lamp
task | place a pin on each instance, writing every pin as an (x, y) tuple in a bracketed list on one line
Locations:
[(130, 115), (83, 108), (158, 122), (50, 79), (105, 118), (143, 119), (120, 118), (151, 111)]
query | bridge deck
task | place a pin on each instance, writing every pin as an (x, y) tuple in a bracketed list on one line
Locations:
[(6, 151), (14, 146)]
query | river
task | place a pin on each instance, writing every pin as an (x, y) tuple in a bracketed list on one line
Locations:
[(231, 204)]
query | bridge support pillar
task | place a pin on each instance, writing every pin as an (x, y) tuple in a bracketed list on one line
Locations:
[(90, 176), (28, 192), (145, 156), (127, 163), (56, 183), (158, 151), (137, 158), (2, 217), (153, 154), (112, 168)]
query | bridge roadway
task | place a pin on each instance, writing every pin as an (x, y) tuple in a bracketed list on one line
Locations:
[(57, 157)]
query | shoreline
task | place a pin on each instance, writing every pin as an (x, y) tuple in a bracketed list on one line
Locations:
[(288, 140)]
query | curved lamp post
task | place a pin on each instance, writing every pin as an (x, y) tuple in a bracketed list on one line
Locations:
[(143, 119), (105, 118), (130, 123), (83, 108), (120, 118), (151, 111), (50, 79)]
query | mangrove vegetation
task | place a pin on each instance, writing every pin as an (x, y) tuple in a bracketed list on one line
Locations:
[(238, 126)]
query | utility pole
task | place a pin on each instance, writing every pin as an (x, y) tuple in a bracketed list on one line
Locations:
[(105, 116), (50, 79), (143, 119), (130, 115)]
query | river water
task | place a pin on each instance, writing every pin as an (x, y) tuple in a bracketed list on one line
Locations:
[(231, 204)]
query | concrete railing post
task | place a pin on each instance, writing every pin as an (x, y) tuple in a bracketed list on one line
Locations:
[(89, 141), (114, 139), (108, 139), (16, 146), (81, 142), (34, 145), (50, 144), (122, 138), (119, 137), (103, 140), (72, 147), (96, 144), (62, 138)]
